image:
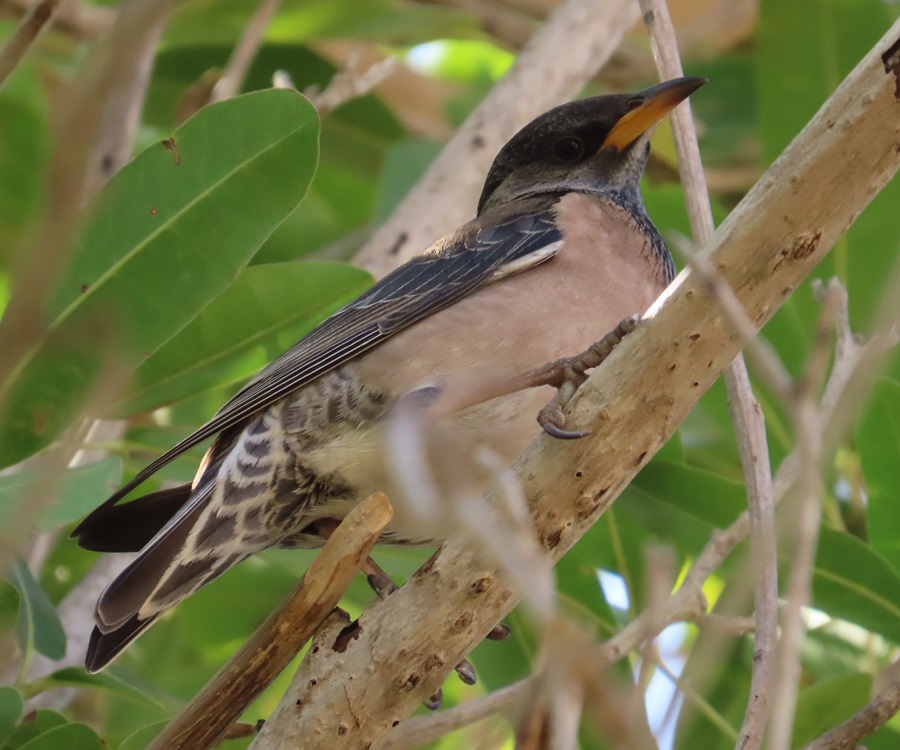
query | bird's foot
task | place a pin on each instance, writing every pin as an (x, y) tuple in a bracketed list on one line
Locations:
[(567, 374)]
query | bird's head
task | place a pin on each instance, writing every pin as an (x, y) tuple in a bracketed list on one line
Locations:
[(587, 145)]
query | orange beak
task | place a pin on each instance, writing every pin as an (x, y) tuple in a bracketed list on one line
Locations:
[(658, 102)]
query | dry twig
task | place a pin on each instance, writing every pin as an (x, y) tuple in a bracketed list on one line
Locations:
[(32, 25), (229, 84), (73, 17), (746, 414), (350, 83)]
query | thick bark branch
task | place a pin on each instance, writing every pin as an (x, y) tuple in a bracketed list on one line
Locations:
[(408, 644)]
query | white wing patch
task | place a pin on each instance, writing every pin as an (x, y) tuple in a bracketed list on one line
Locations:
[(529, 261)]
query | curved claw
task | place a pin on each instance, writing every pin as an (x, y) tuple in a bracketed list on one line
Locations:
[(558, 432), (466, 672), (499, 632), (434, 702)]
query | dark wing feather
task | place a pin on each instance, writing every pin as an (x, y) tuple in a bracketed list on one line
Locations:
[(448, 271)]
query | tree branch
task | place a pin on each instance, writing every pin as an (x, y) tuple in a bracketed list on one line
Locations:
[(633, 403), (35, 22), (278, 640), (229, 85)]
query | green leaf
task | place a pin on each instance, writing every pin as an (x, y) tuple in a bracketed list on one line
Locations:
[(805, 48), (114, 680), (38, 623), (24, 145), (354, 140), (79, 491), (10, 710), (853, 582), (263, 313), (878, 441), (405, 163), (827, 703), (682, 503), (34, 724), (169, 232), (68, 736), (142, 737)]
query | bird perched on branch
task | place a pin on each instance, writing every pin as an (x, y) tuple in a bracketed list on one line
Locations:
[(560, 252)]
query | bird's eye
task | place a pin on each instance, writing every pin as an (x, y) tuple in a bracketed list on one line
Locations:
[(568, 148)]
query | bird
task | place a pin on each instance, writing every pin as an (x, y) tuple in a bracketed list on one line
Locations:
[(560, 252)]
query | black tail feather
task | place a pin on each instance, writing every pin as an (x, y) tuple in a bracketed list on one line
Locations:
[(127, 593), (104, 647), (130, 526)]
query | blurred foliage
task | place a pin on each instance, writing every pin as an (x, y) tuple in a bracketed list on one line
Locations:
[(195, 268)]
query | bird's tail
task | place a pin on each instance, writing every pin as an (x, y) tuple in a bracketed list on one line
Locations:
[(170, 568), (129, 527)]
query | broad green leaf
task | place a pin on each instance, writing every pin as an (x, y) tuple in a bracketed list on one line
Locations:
[(38, 623), (168, 233), (142, 737), (718, 670), (405, 163), (114, 680), (354, 139), (80, 490), (878, 442), (853, 582), (24, 144), (260, 315), (34, 724), (10, 710), (886, 738), (804, 50), (727, 111), (68, 736), (827, 703)]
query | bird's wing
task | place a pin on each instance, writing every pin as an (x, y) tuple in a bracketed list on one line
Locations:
[(449, 270)]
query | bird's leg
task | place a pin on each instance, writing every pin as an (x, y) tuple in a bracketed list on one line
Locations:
[(567, 374)]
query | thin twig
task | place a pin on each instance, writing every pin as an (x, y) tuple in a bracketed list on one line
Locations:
[(349, 83), (73, 17), (807, 513), (114, 144), (422, 730), (245, 50), (35, 22), (746, 414), (269, 650)]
